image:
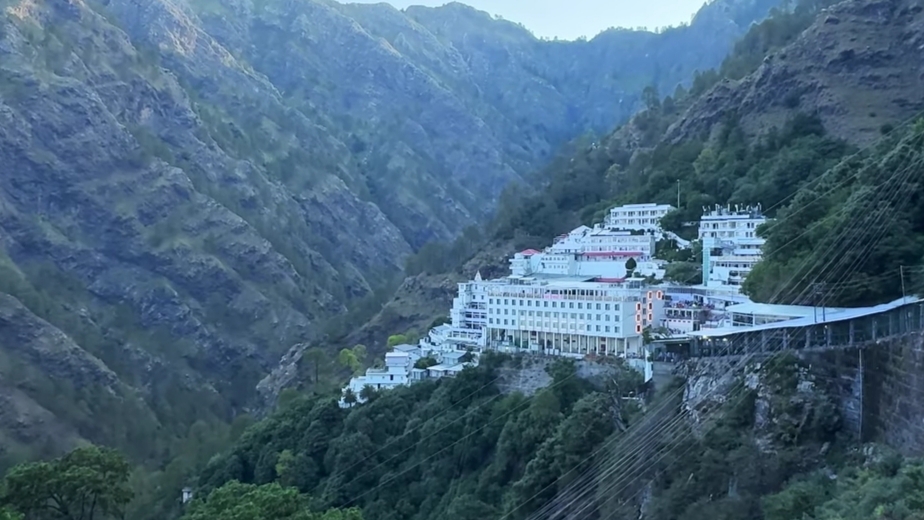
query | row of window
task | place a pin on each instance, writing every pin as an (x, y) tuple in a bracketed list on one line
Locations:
[(549, 314), (728, 234), (529, 303), (555, 325)]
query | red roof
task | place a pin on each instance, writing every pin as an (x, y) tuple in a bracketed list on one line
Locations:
[(529, 252), (613, 253)]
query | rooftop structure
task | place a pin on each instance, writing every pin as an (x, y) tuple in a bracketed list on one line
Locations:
[(829, 316)]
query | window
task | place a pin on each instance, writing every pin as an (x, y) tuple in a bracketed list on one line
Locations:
[(607, 307), (598, 328), (598, 306), (607, 328)]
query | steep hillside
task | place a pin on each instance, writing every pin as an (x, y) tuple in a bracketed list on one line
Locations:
[(460, 449), (190, 188), (857, 68)]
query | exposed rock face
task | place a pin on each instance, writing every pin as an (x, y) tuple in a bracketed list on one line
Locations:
[(858, 67), (189, 188)]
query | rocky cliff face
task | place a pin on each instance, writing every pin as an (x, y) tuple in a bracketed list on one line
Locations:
[(190, 188), (858, 67)]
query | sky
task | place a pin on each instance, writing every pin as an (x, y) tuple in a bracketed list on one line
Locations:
[(571, 19)]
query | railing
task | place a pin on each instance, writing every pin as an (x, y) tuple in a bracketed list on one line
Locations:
[(861, 331)]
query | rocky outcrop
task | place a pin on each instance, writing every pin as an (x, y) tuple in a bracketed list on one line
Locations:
[(857, 67)]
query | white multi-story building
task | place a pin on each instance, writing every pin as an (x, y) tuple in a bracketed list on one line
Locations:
[(468, 316), (639, 217), (399, 367), (396, 372), (591, 252), (731, 246), (572, 316)]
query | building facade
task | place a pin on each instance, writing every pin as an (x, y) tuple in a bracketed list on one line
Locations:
[(572, 317), (639, 217), (731, 246), (591, 252)]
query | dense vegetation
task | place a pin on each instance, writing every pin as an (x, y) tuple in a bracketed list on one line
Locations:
[(461, 450), (454, 449), (868, 212), (94, 483)]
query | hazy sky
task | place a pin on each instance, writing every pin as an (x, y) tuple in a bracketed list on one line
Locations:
[(570, 19)]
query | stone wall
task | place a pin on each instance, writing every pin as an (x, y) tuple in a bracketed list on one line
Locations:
[(527, 374), (839, 370), (893, 393)]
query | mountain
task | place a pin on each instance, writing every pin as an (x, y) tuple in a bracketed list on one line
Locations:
[(800, 92), (855, 84), (190, 188)]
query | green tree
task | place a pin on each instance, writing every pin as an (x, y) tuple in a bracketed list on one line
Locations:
[(359, 352), (425, 362), (87, 483), (348, 359), (631, 264), (368, 393), (349, 397), (683, 272), (6, 514), (317, 357), (237, 501), (394, 340)]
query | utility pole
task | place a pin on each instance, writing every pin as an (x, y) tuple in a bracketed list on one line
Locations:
[(816, 290), (678, 193), (901, 269)]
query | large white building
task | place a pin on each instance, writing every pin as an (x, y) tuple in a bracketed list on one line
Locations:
[(731, 246), (592, 252), (572, 316), (638, 217)]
